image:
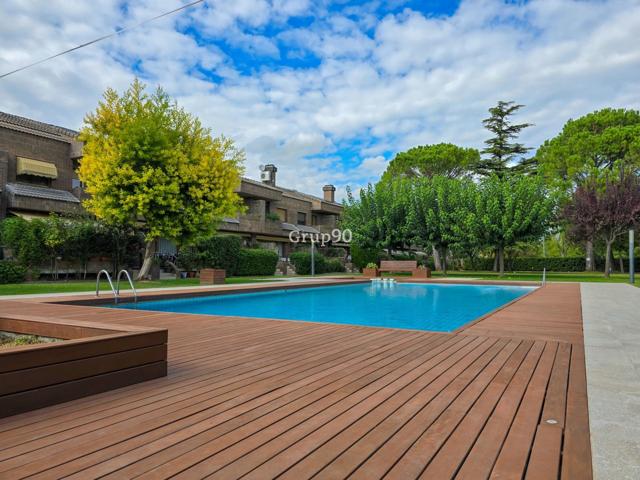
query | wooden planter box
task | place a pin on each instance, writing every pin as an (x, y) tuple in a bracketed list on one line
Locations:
[(91, 358), (370, 272), (212, 276), (421, 273)]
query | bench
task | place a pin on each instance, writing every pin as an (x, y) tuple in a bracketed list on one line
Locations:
[(404, 266)]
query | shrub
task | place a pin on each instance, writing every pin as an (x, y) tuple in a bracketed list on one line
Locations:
[(333, 265), (360, 256), (302, 263), (11, 272), (25, 239), (372, 265), (188, 259), (219, 251), (256, 261), (537, 264)]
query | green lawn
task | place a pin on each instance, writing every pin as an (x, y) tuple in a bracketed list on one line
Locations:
[(536, 277), (90, 285)]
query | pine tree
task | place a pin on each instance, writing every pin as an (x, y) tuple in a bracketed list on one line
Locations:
[(500, 151)]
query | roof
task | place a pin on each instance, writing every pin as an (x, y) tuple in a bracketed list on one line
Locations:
[(306, 196), (23, 190), (34, 127)]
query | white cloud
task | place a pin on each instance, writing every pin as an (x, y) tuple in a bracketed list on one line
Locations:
[(380, 84)]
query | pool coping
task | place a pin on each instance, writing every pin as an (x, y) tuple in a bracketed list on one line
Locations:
[(90, 300)]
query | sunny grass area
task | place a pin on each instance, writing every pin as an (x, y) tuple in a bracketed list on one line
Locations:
[(70, 286), (537, 276)]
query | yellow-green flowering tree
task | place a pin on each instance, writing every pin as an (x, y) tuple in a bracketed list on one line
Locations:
[(148, 163)]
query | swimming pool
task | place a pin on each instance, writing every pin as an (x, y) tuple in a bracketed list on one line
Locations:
[(434, 307)]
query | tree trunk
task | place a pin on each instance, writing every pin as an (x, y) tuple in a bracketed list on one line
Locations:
[(621, 264), (443, 260), (590, 262), (149, 254), (436, 258), (500, 257), (495, 260), (607, 262)]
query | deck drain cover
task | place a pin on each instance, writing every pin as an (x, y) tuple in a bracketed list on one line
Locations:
[(551, 421)]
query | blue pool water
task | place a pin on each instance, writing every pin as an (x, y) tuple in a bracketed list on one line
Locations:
[(432, 307)]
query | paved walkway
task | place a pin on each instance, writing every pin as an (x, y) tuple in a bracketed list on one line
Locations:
[(611, 315)]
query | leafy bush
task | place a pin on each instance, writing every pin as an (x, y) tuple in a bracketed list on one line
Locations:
[(302, 263), (256, 261), (372, 265), (11, 272), (25, 239), (361, 256), (537, 264), (220, 251), (188, 259), (333, 265)]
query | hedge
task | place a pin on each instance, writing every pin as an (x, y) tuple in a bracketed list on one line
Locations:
[(302, 263), (552, 264), (256, 261), (220, 251), (361, 256), (11, 272)]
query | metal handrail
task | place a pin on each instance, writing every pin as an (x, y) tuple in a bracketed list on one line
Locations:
[(115, 294), (135, 294)]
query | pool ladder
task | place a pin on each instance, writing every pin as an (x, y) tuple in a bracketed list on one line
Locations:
[(116, 290)]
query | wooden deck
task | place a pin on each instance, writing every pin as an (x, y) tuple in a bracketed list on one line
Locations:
[(504, 398)]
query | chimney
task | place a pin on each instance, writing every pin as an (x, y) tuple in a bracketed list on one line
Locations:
[(329, 193), (268, 174)]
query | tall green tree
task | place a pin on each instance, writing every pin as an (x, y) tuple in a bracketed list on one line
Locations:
[(601, 140), (377, 215), (511, 210), (442, 213), (443, 159), (587, 147), (502, 149), (147, 161)]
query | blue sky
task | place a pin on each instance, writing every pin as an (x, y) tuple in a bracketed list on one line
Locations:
[(330, 91)]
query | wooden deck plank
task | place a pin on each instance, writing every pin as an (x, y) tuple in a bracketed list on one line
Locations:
[(264, 398), (197, 433)]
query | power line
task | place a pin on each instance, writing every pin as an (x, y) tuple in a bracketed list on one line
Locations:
[(99, 39)]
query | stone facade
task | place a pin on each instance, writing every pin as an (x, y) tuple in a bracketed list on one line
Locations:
[(272, 211), (21, 137)]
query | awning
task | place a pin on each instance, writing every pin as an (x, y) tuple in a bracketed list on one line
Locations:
[(266, 238), (28, 215), (28, 166)]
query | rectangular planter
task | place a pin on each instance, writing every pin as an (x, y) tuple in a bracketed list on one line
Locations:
[(91, 358), (212, 276), (421, 273), (370, 272)]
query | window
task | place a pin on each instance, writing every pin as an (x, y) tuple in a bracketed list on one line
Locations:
[(267, 207), (282, 213), (314, 220), (34, 180), (302, 218)]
